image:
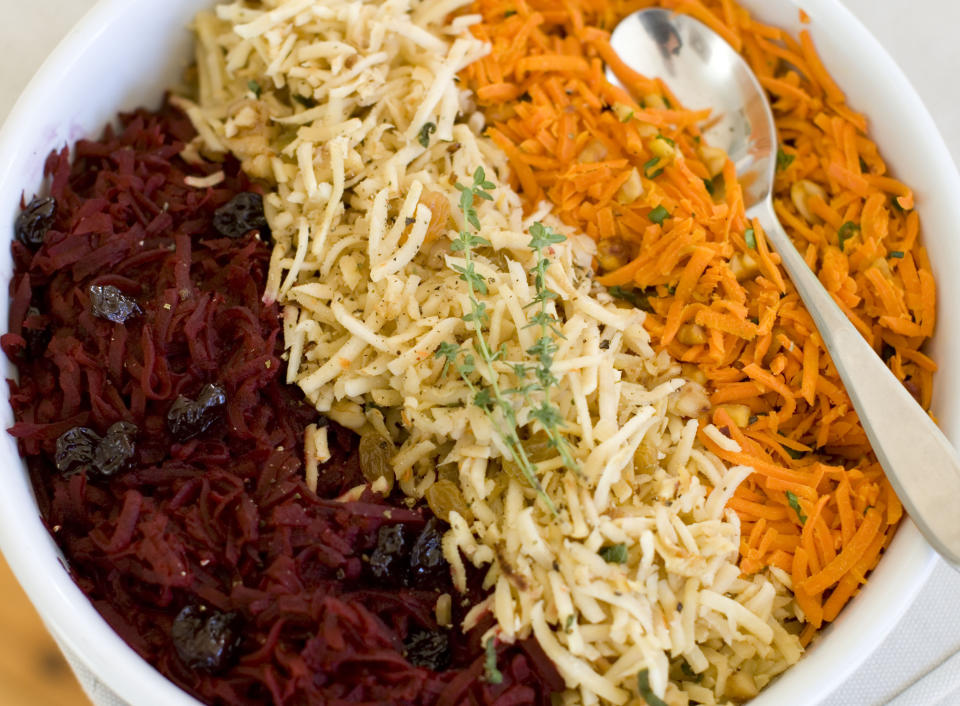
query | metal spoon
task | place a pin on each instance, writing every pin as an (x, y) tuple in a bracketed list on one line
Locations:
[(703, 71)]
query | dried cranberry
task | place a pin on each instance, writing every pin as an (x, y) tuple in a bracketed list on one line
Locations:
[(116, 449), (205, 639), (389, 559), (240, 215), (187, 418), (429, 649), (108, 302), (427, 565), (35, 220), (76, 449)]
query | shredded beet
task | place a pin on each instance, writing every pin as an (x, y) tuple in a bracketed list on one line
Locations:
[(269, 583)]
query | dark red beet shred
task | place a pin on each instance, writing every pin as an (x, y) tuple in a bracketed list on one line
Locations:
[(212, 528)]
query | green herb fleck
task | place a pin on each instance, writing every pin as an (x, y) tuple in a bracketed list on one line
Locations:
[(715, 186), (666, 102), (651, 165), (795, 504), (371, 406), (896, 204), (638, 298), (646, 693), (784, 160), (468, 197), (671, 289), (689, 673), (424, 136), (305, 101), (659, 215), (868, 507), (751, 238), (509, 13), (483, 399), (627, 118), (793, 453), (543, 237), (666, 139), (568, 623), (847, 231), (614, 554), (491, 673), (896, 254), (254, 88)]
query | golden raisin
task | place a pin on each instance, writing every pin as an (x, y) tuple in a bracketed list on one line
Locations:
[(439, 206), (444, 497), (375, 454)]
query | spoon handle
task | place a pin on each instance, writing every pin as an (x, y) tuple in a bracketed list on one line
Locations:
[(919, 461)]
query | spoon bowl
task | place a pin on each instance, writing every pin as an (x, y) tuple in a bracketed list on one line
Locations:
[(704, 71)]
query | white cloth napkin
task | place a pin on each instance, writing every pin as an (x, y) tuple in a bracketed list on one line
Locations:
[(928, 634), (938, 688), (96, 690)]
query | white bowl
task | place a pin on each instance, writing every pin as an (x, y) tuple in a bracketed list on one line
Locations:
[(125, 52)]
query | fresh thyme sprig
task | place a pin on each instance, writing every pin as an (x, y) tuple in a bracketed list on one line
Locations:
[(545, 348), (489, 398), (536, 379)]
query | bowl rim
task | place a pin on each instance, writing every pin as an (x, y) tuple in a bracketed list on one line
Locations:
[(90, 641)]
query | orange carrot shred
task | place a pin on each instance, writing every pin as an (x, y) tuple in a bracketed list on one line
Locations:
[(851, 553)]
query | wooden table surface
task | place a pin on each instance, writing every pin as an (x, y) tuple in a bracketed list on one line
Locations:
[(32, 670)]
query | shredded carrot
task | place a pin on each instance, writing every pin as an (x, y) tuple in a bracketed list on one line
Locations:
[(812, 608), (852, 581), (627, 166), (851, 553)]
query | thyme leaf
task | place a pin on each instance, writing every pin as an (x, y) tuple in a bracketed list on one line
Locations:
[(846, 231), (614, 554), (650, 169), (784, 159), (659, 215), (646, 693), (423, 137), (795, 505)]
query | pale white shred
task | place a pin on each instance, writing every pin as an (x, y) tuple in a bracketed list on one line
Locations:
[(204, 182), (363, 215)]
